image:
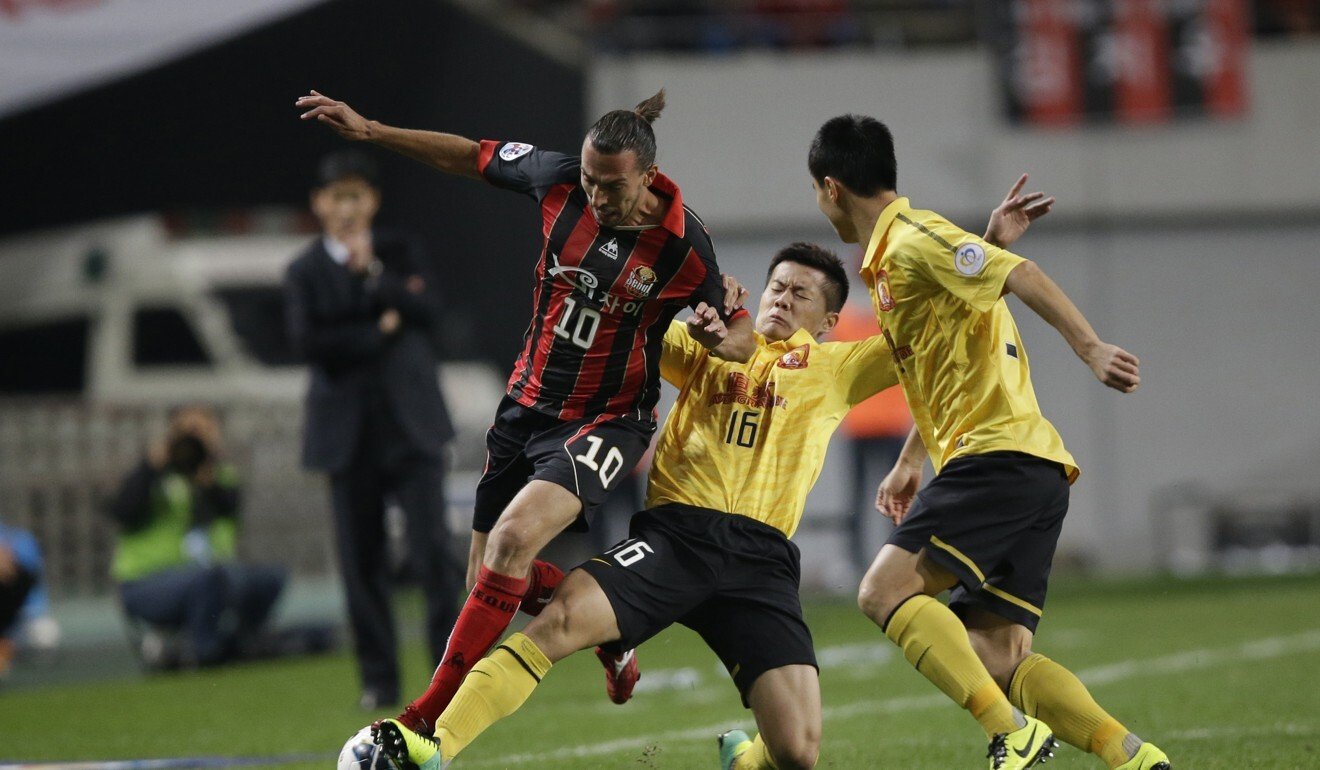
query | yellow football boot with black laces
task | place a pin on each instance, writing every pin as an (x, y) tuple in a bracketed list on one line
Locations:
[(1025, 747), (408, 750)]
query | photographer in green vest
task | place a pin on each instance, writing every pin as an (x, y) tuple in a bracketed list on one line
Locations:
[(176, 557)]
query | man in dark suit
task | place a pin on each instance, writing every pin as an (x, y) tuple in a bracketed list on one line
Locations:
[(360, 312)]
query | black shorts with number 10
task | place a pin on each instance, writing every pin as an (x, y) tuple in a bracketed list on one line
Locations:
[(588, 457)]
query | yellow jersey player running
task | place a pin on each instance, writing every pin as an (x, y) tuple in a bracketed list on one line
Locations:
[(740, 451), (986, 526)]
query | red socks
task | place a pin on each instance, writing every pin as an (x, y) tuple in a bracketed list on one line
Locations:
[(489, 609), (543, 581), (485, 616)]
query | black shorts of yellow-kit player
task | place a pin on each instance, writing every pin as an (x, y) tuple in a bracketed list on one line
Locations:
[(993, 520), (730, 578)]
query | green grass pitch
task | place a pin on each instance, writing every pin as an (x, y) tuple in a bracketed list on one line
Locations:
[(1220, 673)]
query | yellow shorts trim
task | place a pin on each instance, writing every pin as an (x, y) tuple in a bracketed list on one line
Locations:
[(955, 553), (1011, 599), (602, 561)]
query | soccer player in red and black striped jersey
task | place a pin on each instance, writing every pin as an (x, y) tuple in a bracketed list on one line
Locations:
[(621, 257)]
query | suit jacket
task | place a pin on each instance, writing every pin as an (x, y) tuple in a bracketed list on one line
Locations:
[(332, 317)]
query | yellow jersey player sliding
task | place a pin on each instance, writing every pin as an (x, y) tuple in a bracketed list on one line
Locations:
[(740, 450)]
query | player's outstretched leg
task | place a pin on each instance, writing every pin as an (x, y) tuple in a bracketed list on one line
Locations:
[(539, 512), (579, 617), (485, 615), (621, 672), (500, 683), (1042, 687), (419, 716)]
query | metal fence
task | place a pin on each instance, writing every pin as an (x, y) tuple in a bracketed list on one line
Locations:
[(61, 461)]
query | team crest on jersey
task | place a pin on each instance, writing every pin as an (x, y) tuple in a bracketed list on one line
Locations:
[(514, 150), (641, 281), (969, 258), (884, 295), (611, 248), (795, 358)]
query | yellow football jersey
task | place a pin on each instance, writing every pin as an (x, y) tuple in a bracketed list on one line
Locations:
[(751, 438), (938, 295)]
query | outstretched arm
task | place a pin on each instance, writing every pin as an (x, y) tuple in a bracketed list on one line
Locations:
[(1015, 213), (1112, 365), (447, 152)]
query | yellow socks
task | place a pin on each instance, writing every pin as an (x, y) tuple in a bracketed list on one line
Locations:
[(495, 688), (935, 642), (755, 758), (1052, 693)]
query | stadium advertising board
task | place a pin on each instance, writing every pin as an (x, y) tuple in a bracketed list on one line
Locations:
[(1069, 62)]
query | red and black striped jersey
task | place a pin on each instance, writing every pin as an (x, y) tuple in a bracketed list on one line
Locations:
[(604, 296)]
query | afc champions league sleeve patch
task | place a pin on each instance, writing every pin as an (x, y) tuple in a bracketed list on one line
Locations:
[(969, 258), (514, 150)]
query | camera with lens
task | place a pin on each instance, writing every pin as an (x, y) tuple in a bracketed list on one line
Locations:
[(187, 453)]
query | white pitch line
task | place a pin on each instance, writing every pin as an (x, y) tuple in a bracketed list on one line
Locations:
[(1234, 731), (1190, 660)]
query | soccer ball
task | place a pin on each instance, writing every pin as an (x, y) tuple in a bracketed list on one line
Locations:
[(362, 753)]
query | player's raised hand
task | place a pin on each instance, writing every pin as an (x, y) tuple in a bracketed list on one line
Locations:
[(706, 327), (341, 118), (1015, 213), (896, 492), (1115, 367), (734, 293)]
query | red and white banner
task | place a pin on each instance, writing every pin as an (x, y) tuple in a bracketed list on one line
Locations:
[(49, 48), (1066, 62)]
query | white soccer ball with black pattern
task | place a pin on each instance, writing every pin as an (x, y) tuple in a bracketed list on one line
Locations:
[(362, 753)]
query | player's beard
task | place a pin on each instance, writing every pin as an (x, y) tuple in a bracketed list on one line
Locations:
[(615, 217)]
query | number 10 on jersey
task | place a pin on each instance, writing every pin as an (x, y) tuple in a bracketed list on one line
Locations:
[(580, 330)]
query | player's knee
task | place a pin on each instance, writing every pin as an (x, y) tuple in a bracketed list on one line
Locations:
[(551, 627), (800, 754), (557, 631), (869, 601), (892, 579), (875, 600), (511, 548)]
